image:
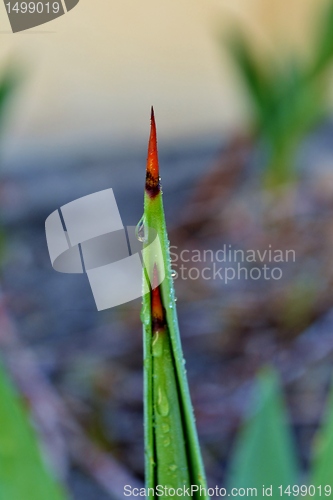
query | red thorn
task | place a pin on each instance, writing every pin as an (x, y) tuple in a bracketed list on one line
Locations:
[(152, 174)]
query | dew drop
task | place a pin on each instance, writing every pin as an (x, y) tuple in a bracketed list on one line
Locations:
[(173, 273), (166, 442), (162, 403), (141, 231), (165, 428)]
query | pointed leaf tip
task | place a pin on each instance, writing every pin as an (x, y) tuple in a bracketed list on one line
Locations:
[(152, 174)]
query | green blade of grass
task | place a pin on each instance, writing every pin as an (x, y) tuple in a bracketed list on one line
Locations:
[(263, 452), (23, 474), (173, 455)]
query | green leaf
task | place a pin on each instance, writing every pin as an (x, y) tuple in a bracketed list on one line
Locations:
[(263, 454), (23, 473), (173, 456)]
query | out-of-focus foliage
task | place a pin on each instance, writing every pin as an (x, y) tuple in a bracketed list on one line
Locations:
[(8, 83), (288, 100), (264, 451), (23, 474), (9, 80), (323, 450)]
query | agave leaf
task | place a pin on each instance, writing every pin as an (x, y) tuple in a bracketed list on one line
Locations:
[(263, 453), (23, 473), (173, 456)]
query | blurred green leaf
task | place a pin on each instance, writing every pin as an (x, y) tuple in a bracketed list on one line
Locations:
[(23, 474), (9, 80), (321, 470), (253, 74), (323, 46), (264, 451), (288, 101)]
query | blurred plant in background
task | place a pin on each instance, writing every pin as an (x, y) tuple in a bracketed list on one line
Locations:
[(9, 81), (265, 452), (23, 470), (260, 322), (288, 100)]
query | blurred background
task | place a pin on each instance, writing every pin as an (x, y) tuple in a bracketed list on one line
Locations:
[(243, 97)]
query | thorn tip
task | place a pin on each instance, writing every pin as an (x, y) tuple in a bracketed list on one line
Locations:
[(152, 175)]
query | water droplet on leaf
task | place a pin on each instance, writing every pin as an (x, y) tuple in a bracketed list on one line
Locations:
[(162, 403), (141, 231), (166, 442)]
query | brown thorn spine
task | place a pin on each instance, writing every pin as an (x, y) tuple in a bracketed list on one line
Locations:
[(153, 186)]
